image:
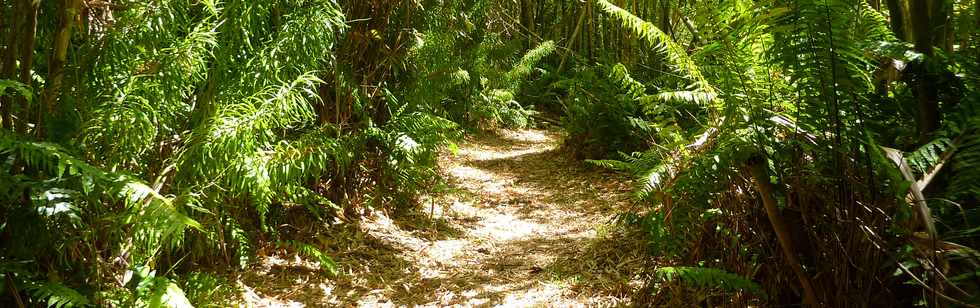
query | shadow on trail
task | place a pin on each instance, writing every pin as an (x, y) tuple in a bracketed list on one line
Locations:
[(517, 226)]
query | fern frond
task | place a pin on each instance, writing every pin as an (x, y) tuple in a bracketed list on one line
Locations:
[(609, 164), (167, 294), (526, 65), (929, 154), (621, 76), (310, 251), (57, 295), (18, 87), (710, 278), (233, 148), (157, 220), (693, 97), (660, 41), (874, 25)]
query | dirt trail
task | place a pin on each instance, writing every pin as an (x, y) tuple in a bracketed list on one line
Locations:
[(517, 227)]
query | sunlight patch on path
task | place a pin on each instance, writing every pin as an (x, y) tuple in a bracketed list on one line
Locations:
[(516, 208)]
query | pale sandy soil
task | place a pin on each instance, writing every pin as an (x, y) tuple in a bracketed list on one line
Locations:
[(519, 225)]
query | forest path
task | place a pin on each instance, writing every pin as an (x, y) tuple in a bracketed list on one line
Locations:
[(516, 227)]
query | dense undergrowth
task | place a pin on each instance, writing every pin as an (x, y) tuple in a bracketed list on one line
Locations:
[(822, 152), (171, 140), (782, 160)]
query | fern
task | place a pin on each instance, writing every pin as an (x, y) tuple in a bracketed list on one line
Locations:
[(167, 294), (57, 295), (621, 76), (523, 68), (156, 218), (694, 97), (18, 87), (660, 41), (242, 245), (310, 251), (965, 162), (208, 290), (710, 278), (929, 154)]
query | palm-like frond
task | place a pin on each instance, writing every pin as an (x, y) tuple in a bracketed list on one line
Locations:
[(310, 251), (58, 295), (523, 68), (657, 39), (709, 278), (156, 220)]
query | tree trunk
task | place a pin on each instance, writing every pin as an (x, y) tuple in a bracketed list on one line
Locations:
[(941, 24), (897, 18), (568, 47), (56, 66), (926, 92), (758, 168), (7, 64), (29, 30), (875, 4)]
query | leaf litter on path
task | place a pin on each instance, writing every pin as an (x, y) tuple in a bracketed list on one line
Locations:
[(517, 228)]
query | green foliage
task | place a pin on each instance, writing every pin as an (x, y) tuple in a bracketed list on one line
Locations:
[(474, 75), (325, 262), (523, 68), (200, 126), (710, 278), (805, 84), (18, 87), (928, 155), (657, 39), (597, 120), (191, 132), (58, 295), (152, 291), (965, 160), (208, 290)]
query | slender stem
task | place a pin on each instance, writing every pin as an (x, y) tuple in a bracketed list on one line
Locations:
[(760, 172)]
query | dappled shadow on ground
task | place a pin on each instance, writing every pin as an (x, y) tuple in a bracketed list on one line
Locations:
[(517, 227), (615, 263)]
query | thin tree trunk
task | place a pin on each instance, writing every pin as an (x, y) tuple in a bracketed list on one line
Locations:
[(760, 172), (875, 4), (589, 38), (921, 27), (940, 24), (7, 66), (695, 35), (27, 60), (926, 92), (568, 47), (56, 66), (897, 18)]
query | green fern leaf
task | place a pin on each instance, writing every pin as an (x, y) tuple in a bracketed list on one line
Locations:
[(310, 251), (660, 41), (58, 295), (710, 278)]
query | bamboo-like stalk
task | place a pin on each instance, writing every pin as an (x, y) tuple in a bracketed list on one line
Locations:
[(7, 61), (29, 30), (68, 9), (568, 47), (927, 95), (897, 19), (757, 166)]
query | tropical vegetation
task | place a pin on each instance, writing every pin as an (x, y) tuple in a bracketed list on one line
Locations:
[(823, 152)]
